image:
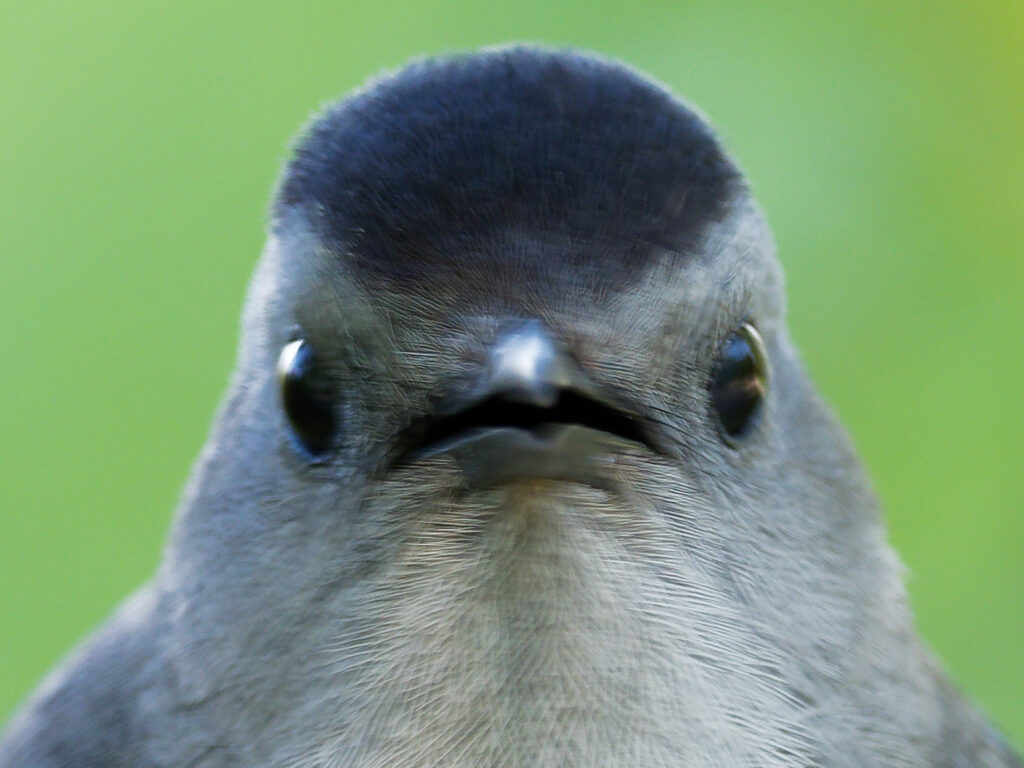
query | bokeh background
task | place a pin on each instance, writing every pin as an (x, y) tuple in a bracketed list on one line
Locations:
[(139, 142)]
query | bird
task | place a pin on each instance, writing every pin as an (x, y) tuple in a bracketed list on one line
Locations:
[(518, 466)]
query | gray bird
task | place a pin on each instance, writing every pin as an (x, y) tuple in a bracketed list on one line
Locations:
[(518, 467)]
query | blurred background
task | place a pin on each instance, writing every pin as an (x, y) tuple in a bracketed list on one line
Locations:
[(140, 141)]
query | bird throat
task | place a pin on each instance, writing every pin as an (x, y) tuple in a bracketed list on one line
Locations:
[(510, 636)]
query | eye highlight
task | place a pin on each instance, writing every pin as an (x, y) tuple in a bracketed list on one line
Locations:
[(741, 383), (307, 399)]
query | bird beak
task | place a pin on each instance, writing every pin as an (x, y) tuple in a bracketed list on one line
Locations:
[(534, 413), (529, 366)]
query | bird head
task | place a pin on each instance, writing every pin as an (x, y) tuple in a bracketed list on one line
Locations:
[(518, 460)]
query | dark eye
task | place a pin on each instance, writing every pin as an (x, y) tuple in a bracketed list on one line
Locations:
[(306, 398), (741, 382)]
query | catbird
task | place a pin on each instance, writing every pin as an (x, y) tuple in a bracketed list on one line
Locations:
[(518, 467)]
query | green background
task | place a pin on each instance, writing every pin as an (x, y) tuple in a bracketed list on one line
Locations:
[(140, 141)]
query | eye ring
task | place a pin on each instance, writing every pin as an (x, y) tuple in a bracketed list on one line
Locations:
[(307, 400), (740, 384)]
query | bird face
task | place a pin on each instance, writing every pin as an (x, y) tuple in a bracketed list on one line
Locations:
[(519, 449), (527, 373)]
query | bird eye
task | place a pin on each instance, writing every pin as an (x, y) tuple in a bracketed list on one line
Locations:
[(306, 398), (741, 382)]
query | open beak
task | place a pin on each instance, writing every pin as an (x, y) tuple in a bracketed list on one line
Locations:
[(533, 414)]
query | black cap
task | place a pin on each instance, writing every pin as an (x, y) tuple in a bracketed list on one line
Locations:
[(424, 166)]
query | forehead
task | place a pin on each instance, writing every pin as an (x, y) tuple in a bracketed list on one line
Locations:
[(733, 276), (430, 169)]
